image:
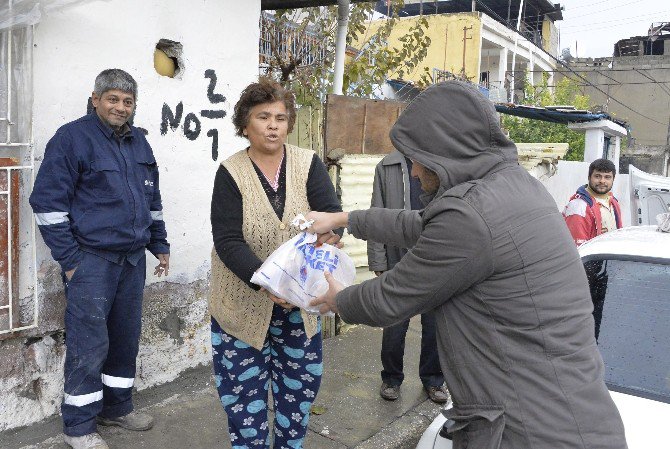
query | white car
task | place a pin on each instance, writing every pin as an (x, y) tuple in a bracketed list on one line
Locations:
[(629, 277)]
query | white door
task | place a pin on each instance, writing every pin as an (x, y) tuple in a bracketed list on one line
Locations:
[(650, 196)]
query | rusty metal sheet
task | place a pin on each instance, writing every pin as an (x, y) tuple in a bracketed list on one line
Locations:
[(359, 125), (9, 242)]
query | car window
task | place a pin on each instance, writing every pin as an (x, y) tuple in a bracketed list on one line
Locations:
[(631, 310)]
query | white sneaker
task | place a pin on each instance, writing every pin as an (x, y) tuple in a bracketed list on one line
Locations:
[(90, 441)]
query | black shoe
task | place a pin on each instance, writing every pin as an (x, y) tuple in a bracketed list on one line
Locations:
[(389, 392), (439, 395)]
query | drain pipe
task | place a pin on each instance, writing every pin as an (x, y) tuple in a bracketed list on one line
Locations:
[(340, 44), (516, 47)]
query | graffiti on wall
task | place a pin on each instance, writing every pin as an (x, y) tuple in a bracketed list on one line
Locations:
[(192, 123)]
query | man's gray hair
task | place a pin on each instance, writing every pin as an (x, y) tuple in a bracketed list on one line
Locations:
[(115, 79)]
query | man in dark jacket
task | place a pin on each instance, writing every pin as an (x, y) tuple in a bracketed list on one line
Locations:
[(394, 188), (492, 256), (98, 207)]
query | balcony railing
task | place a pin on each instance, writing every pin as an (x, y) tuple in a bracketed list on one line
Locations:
[(288, 40)]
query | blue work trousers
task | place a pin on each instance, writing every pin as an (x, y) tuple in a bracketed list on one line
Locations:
[(393, 352), (103, 319), (289, 363)]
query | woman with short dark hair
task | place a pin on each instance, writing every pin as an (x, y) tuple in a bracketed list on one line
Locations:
[(260, 341)]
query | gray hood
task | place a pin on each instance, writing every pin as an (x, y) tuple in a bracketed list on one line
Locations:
[(452, 129)]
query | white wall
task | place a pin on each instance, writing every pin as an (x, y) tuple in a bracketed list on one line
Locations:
[(72, 45)]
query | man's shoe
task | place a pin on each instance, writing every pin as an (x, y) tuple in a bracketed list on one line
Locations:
[(389, 392), (90, 441), (439, 395), (131, 421)]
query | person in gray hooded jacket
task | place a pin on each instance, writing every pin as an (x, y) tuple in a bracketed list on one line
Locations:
[(492, 257)]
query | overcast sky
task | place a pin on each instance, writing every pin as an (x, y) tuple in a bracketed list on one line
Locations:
[(596, 25)]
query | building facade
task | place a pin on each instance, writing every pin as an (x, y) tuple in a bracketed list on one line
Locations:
[(481, 43), (634, 85), (49, 57)]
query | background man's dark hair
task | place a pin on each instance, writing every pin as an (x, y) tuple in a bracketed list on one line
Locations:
[(603, 166), (265, 90)]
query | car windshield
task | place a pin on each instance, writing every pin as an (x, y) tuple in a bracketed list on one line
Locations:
[(631, 308)]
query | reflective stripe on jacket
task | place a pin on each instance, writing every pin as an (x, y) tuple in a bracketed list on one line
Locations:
[(100, 191)]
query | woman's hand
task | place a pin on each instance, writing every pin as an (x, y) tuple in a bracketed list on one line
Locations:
[(326, 221), (280, 302), (327, 301), (329, 238)]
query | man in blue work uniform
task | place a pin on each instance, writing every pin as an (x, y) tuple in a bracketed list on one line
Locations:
[(98, 206)]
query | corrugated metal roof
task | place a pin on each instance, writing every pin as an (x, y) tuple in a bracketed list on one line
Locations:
[(555, 114), (293, 4), (356, 178), (357, 175)]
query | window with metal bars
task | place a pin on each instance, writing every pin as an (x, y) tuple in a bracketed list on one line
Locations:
[(18, 304)]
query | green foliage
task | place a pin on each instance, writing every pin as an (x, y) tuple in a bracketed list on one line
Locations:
[(566, 92), (365, 71)]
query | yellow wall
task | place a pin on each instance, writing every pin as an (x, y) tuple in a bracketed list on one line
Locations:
[(550, 37), (446, 48)]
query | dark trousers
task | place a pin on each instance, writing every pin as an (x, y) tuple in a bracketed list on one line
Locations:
[(393, 351), (103, 319)]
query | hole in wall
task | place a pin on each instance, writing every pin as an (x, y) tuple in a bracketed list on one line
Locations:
[(168, 58)]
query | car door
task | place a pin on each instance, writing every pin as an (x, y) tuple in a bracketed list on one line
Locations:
[(650, 196)]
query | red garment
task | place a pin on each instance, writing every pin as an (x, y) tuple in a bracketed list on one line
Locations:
[(582, 215)]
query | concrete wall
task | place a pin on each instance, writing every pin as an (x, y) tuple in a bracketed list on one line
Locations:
[(630, 80), (650, 159), (71, 47)]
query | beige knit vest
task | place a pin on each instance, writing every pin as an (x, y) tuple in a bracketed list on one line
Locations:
[(240, 311)]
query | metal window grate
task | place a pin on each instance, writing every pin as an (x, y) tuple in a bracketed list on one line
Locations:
[(18, 272)]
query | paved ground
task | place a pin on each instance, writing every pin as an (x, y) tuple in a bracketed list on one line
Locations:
[(188, 414)]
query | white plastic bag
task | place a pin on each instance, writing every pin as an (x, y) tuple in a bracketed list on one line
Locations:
[(663, 221), (295, 271)]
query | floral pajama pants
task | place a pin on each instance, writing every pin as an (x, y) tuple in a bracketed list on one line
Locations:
[(289, 363)]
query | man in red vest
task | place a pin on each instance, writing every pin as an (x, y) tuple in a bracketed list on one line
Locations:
[(593, 210)]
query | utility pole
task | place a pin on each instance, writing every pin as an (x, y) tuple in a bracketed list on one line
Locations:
[(446, 39), (516, 45), (465, 40)]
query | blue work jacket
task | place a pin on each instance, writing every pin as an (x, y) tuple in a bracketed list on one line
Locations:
[(98, 192)]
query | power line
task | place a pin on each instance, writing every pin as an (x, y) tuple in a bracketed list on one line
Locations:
[(581, 6), (600, 11), (617, 84), (581, 77), (623, 19), (591, 4), (664, 88), (632, 69)]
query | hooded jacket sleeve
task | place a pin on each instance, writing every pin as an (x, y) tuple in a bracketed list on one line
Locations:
[(377, 251), (453, 253), (51, 200), (397, 227)]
